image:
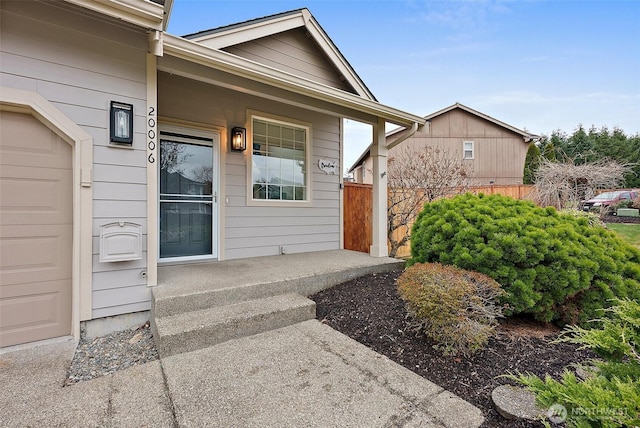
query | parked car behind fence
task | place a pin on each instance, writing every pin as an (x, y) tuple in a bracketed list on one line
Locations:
[(609, 199)]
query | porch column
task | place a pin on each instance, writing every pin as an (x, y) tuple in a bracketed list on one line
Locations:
[(379, 156)]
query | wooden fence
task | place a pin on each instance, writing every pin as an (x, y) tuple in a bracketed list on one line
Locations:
[(518, 191), (357, 218), (358, 212)]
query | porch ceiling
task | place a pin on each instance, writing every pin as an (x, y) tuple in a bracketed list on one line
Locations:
[(227, 70)]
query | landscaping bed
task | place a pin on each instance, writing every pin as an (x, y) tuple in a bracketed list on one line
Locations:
[(620, 219), (369, 310)]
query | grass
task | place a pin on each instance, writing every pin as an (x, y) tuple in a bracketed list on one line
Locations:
[(628, 232)]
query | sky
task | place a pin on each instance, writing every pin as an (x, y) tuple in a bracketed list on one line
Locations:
[(538, 65)]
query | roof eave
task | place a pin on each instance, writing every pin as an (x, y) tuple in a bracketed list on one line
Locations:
[(143, 13), (197, 53)]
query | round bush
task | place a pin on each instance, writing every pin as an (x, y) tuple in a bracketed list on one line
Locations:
[(554, 266), (454, 307)]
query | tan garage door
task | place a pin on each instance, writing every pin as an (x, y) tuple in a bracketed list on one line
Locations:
[(35, 231)]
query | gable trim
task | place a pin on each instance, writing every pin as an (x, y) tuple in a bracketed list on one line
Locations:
[(527, 137), (235, 34)]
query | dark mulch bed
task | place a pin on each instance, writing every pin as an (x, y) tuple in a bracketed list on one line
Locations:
[(616, 219), (369, 310)]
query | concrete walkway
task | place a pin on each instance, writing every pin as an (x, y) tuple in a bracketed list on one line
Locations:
[(304, 375)]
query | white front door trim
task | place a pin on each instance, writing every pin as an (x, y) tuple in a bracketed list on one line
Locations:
[(215, 136)]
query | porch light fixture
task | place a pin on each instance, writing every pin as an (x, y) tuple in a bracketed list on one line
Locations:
[(238, 139), (121, 123)]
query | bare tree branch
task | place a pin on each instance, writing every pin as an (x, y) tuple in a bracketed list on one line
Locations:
[(417, 176), (564, 185)]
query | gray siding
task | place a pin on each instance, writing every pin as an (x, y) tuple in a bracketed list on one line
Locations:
[(293, 52), (252, 231), (80, 64)]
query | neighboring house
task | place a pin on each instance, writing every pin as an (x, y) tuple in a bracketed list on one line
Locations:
[(495, 150), (86, 214)]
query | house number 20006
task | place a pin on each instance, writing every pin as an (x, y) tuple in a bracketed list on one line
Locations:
[(151, 133)]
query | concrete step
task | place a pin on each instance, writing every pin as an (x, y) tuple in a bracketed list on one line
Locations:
[(188, 331), (190, 287), (167, 304)]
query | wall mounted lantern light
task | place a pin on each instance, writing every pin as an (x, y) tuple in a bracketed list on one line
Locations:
[(238, 139), (121, 123)]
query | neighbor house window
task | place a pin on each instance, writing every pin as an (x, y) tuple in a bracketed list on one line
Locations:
[(279, 161), (467, 149)]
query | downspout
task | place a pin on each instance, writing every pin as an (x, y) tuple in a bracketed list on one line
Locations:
[(407, 133)]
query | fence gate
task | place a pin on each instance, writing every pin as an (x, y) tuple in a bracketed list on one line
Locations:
[(358, 212)]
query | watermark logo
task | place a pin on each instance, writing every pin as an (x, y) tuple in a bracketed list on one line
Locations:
[(557, 413)]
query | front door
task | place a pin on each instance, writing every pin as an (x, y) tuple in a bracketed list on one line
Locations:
[(188, 195)]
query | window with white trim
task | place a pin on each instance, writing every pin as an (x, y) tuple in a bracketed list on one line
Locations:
[(279, 158), (467, 150)]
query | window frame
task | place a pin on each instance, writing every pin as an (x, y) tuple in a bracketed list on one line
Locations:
[(269, 118), (464, 150)]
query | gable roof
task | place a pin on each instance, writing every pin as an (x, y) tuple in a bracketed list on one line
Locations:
[(234, 34), (526, 136)]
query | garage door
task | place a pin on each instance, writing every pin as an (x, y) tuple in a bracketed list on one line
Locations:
[(35, 231)]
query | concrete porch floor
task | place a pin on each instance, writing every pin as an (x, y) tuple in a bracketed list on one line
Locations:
[(312, 272)]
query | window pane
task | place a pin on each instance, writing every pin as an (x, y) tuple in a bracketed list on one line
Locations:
[(279, 153), (287, 193), (273, 192), (259, 128), (259, 191)]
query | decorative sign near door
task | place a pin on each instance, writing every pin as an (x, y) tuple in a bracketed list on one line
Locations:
[(328, 166)]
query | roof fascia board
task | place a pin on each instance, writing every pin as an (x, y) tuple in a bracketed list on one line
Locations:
[(143, 13), (168, 7), (251, 31), (336, 57), (260, 90), (197, 53)]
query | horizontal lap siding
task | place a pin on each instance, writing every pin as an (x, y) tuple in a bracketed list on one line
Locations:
[(80, 64), (293, 52), (252, 231)]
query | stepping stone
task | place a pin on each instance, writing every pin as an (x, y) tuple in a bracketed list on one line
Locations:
[(586, 372), (513, 402)]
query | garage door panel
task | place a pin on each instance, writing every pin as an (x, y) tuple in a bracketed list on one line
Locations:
[(27, 142), (33, 311), (36, 231), (42, 197), (32, 253)]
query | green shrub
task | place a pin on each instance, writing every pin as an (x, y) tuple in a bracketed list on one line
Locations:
[(610, 396), (554, 266), (454, 307), (592, 218)]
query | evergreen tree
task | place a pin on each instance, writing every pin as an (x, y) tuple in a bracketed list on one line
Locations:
[(549, 152), (531, 164)]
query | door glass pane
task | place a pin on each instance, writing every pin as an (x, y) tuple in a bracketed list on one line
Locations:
[(186, 199), (185, 229), (185, 169)]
